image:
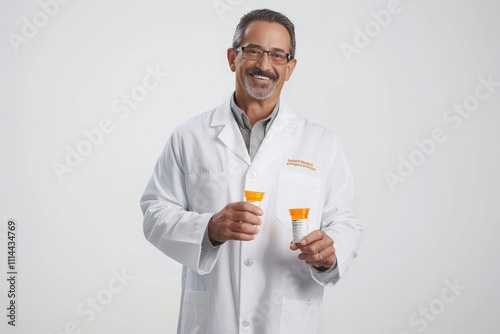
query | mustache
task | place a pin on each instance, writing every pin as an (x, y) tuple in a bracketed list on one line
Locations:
[(256, 71)]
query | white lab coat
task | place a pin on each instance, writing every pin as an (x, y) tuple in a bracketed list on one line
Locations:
[(257, 286)]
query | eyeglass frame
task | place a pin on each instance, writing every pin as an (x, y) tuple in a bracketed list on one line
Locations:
[(242, 48)]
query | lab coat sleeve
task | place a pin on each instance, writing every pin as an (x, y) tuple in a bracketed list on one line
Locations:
[(340, 220), (168, 224)]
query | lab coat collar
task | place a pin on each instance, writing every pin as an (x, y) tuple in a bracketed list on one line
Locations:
[(222, 114), (277, 139)]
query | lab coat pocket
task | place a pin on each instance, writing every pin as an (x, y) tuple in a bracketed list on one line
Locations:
[(299, 316), (195, 312), (297, 190)]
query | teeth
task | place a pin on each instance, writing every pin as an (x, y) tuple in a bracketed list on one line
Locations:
[(261, 77)]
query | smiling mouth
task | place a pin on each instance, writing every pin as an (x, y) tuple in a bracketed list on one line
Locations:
[(260, 77)]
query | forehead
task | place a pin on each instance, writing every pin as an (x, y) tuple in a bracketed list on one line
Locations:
[(269, 35)]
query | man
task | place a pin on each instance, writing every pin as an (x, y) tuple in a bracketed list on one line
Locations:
[(241, 272)]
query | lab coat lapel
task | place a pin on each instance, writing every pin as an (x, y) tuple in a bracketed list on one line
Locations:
[(230, 134), (280, 134)]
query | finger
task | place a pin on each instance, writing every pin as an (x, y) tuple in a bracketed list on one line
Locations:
[(247, 207), (244, 228), (325, 252), (242, 236), (318, 246), (240, 231), (320, 260), (314, 236), (294, 246), (326, 262), (250, 207), (318, 252), (324, 258), (313, 259), (245, 217)]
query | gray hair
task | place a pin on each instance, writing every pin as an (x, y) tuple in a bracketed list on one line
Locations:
[(269, 16)]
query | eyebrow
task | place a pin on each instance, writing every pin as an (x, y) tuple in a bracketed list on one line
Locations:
[(260, 47)]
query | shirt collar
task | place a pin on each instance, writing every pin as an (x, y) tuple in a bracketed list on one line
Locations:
[(242, 118)]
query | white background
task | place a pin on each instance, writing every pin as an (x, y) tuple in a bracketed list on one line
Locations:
[(437, 225)]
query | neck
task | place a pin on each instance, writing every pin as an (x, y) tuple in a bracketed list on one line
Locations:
[(256, 109)]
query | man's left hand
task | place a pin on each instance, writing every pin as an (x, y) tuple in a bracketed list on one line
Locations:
[(316, 249)]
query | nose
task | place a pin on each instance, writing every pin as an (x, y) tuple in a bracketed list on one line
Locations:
[(263, 63)]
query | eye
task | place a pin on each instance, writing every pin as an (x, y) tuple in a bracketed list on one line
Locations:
[(253, 52), (278, 55)]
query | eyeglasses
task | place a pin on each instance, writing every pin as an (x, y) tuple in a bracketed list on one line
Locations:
[(275, 57)]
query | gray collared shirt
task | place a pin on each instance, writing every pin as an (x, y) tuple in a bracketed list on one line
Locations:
[(253, 136)]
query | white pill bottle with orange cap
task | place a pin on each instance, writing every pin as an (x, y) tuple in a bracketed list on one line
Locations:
[(300, 224)]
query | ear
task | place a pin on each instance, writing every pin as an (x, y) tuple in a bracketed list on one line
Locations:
[(289, 68), (231, 58)]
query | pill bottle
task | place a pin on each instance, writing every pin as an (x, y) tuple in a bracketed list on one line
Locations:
[(300, 224), (254, 197)]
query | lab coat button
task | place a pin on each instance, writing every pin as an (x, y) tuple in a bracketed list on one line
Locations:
[(252, 174), (245, 323), (248, 262)]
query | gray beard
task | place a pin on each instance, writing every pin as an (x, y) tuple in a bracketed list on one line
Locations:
[(259, 92)]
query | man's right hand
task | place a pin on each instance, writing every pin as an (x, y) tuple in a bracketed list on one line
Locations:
[(237, 221)]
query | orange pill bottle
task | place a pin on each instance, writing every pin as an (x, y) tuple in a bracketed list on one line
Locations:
[(300, 225)]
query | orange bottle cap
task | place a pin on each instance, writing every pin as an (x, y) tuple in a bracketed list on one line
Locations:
[(299, 213), (254, 196)]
